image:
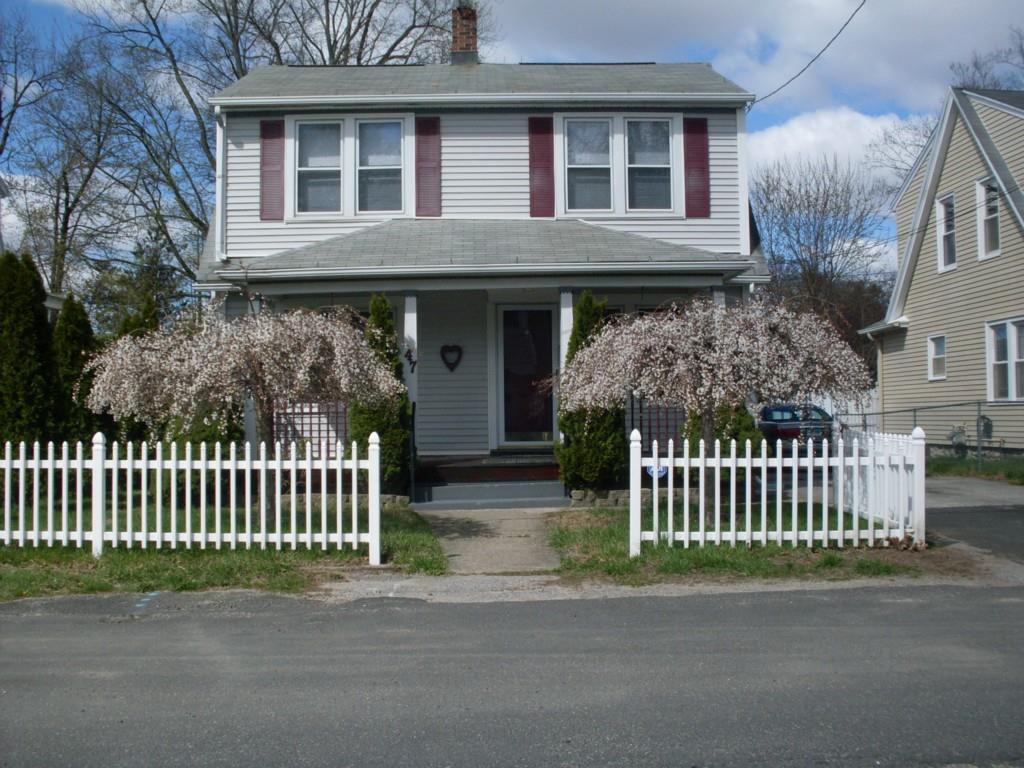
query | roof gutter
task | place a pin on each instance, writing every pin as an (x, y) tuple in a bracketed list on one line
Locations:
[(881, 327), (477, 99), (731, 268)]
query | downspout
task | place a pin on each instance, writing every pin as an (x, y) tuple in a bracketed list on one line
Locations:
[(220, 233)]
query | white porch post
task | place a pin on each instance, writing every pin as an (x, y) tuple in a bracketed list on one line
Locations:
[(565, 321), (718, 295), (410, 352), (564, 324)]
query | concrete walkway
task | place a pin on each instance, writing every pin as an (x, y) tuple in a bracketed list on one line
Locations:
[(493, 540)]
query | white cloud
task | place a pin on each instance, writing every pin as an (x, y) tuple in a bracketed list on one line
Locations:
[(895, 52), (842, 132)]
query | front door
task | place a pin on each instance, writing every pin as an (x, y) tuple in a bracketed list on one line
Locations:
[(526, 352)]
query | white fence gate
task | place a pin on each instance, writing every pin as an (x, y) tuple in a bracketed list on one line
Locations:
[(145, 497), (865, 490)]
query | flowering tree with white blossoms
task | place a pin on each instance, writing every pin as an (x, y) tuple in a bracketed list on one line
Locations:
[(205, 369), (701, 356)]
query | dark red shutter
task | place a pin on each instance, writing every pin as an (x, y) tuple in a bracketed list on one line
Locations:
[(695, 160), (542, 166), (428, 166), (271, 170)]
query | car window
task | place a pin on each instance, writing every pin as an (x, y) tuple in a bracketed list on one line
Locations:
[(817, 414), (781, 414)]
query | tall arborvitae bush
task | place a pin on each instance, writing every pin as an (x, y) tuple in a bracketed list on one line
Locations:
[(391, 421), (593, 454), (73, 344), (27, 370)]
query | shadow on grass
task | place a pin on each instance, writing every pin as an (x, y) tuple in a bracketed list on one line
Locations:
[(596, 542), (406, 541)]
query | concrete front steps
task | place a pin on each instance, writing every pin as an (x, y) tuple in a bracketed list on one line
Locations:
[(491, 495)]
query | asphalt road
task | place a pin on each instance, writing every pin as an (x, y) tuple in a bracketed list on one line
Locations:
[(854, 677), (983, 513)]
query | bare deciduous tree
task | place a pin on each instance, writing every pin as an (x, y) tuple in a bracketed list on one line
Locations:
[(70, 205), (27, 74)]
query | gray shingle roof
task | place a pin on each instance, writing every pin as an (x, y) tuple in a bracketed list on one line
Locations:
[(434, 81), (473, 246), (1012, 98)]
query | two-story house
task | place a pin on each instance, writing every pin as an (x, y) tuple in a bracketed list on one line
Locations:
[(951, 345), (481, 199)]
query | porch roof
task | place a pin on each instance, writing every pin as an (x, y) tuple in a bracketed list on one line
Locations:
[(464, 247)]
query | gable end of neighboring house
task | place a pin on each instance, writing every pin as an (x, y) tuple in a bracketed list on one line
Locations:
[(952, 341)]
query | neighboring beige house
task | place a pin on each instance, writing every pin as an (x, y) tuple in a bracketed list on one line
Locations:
[(953, 335)]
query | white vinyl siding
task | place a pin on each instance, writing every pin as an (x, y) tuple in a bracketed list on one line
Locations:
[(485, 166), (246, 234), (452, 415), (484, 174)]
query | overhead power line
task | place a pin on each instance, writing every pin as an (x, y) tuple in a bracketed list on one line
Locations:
[(817, 56)]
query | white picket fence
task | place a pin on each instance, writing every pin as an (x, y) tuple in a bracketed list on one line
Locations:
[(866, 490), (145, 497)]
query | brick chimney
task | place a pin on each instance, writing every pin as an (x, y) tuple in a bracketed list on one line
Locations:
[(464, 34)]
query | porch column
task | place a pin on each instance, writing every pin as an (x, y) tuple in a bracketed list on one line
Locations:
[(718, 295), (410, 346), (564, 324)]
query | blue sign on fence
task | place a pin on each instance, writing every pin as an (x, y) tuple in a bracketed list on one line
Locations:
[(662, 471)]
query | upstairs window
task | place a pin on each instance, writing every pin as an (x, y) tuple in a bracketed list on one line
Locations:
[(936, 358), (649, 164), (380, 166), (988, 219), (1006, 360), (318, 168), (946, 233), (588, 160)]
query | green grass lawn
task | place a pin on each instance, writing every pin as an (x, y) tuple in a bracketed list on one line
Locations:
[(1010, 469), (596, 542), (406, 541)]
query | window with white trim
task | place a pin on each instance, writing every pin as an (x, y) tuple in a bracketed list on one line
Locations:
[(945, 222), (588, 165), (318, 168), (649, 165), (936, 358), (1006, 359), (988, 218), (379, 166)]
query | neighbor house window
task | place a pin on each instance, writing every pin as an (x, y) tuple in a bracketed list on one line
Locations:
[(988, 218), (1006, 359), (936, 358), (318, 168), (379, 169), (649, 164), (946, 232), (588, 161)]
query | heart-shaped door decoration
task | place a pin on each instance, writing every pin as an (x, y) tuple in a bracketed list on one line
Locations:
[(451, 355)]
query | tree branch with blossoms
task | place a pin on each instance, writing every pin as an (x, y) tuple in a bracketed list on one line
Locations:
[(702, 356), (206, 368)]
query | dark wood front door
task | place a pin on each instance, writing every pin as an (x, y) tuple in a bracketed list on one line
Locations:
[(527, 364)]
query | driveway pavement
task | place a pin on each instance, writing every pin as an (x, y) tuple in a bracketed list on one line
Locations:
[(983, 513), (917, 676), (493, 540)]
